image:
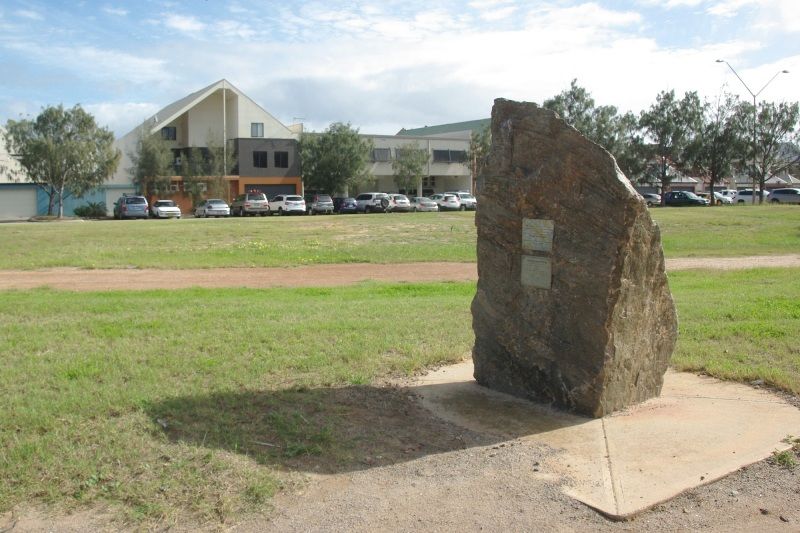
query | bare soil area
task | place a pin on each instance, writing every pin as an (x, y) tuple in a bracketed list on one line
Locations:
[(306, 276), (413, 471)]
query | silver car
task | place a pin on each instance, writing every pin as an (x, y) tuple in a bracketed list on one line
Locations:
[(785, 196), (251, 203), (213, 207), (468, 202), (286, 204), (423, 203)]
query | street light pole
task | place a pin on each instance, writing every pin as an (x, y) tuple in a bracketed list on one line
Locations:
[(755, 120)]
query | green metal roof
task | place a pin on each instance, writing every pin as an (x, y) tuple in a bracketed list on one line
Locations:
[(470, 125)]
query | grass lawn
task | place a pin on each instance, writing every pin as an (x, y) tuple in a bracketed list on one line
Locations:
[(394, 238), (199, 403)]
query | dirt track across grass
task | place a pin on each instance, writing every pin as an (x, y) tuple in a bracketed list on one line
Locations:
[(306, 276)]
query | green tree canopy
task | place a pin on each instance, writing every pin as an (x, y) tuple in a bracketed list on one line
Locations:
[(619, 134), (152, 163), (670, 125), (334, 159), (409, 166), (718, 141), (480, 143), (62, 151), (772, 147)]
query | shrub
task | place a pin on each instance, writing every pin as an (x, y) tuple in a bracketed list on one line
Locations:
[(91, 210)]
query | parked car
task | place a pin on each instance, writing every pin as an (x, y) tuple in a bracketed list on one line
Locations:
[(423, 203), (447, 202), (319, 203), (785, 196), (683, 198), (468, 202), (651, 199), (344, 206), (287, 204), (251, 203), (728, 193), (165, 209), (131, 206), (745, 196), (718, 198), (213, 207), (398, 203), (371, 202)]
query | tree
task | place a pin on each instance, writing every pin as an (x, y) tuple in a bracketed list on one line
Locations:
[(335, 159), (152, 165), (619, 134), (670, 125), (718, 142), (480, 143), (409, 166), (771, 149), (63, 152)]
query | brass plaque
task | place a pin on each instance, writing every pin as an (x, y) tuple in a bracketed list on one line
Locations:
[(537, 235), (536, 272)]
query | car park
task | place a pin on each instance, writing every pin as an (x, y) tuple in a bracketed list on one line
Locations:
[(785, 196), (287, 204), (468, 202), (423, 203), (745, 196), (131, 206), (651, 199), (683, 199), (319, 204), (398, 203), (447, 202), (251, 203), (344, 206), (165, 209), (213, 207), (372, 202)]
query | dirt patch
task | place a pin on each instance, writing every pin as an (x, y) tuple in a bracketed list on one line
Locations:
[(306, 276)]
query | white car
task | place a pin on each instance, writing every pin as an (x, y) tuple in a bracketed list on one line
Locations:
[(372, 202), (398, 203), (468, 202), (722, 199), (165, 209), (447, 202), (286, 204), (423, 203), (745, 196), (213, 207)]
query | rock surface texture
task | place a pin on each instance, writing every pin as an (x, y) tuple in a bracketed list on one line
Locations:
[(573, 305)]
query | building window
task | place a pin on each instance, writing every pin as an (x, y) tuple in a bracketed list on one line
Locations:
[(429, 181), (381, 154), (169, 133), (281, 159), (260, 159), (449, 156), (174, 186), (256, 129)]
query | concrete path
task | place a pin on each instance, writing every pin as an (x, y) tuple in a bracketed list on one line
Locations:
[(699, 430)]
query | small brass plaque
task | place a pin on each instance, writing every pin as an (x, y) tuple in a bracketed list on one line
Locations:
[(536, 272), (537, 235)]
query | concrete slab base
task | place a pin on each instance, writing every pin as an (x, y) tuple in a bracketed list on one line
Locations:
[(699, 430)]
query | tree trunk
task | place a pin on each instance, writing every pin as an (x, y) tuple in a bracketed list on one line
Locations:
[(61, 202)]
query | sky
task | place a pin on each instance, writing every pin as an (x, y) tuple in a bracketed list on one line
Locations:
[(385, 65)]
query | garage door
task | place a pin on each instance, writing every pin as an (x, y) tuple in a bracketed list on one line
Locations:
[(273, 190), (17, 202)]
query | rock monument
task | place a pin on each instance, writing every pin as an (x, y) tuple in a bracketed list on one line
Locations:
[(573, 305)]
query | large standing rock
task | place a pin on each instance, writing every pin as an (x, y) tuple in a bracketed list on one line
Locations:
[(573, 305)]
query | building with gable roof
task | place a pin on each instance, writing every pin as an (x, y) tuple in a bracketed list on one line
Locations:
[(265, 150)]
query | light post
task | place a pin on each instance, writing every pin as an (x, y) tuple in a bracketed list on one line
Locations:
[(755, 120)]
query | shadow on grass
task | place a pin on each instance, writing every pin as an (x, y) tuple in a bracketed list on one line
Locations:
[(325, 430)]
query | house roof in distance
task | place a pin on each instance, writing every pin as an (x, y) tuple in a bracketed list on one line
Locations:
[(456, 129)]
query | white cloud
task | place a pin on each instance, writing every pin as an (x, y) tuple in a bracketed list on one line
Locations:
[(28, 14), (184, 23), (118, 11), (118, 117)]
